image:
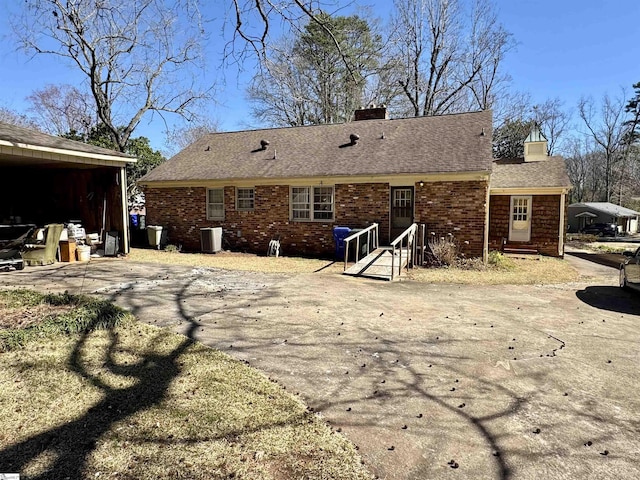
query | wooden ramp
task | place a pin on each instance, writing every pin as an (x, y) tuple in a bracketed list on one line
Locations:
[(378, 264)]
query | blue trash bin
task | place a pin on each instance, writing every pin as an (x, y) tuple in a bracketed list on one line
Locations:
[(339, 234)]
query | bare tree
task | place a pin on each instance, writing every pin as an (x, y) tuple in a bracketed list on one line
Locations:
[(448, 54), (490, 42), (62, 109), (584, 167), (553, 119), (13, 117), (134, 54), (605, 124), (280, 93), (251, 22), (179, 138)]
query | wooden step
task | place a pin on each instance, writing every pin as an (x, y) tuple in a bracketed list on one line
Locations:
[(521, 250)]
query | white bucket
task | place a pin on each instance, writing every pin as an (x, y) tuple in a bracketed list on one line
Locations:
[(84, 253)]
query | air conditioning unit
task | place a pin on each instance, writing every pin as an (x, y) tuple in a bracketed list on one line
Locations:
[(211, 239)]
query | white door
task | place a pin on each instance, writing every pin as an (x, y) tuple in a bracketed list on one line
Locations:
[(520, 222)]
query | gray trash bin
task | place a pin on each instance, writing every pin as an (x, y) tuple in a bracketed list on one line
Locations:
[(154, 234)]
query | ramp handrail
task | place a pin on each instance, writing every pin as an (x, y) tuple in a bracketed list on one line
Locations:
[(372, 238), (409, 234)]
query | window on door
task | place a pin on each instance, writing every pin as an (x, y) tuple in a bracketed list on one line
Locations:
[(520, 210), (402, 197)]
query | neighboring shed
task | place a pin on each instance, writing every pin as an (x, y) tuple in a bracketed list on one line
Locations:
[(49, 179), (587, 213)]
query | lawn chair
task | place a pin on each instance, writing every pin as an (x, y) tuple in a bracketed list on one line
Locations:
[(45, 253)]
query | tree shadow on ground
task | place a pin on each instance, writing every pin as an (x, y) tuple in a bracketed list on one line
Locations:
[(70, 445)]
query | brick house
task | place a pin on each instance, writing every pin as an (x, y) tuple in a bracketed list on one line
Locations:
[(297, 183), (528, 205)]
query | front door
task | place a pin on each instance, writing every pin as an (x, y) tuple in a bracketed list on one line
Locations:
[(520, 220), (401, 210)]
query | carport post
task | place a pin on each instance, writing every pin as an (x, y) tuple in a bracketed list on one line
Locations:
[(124, 209), (561, 227)]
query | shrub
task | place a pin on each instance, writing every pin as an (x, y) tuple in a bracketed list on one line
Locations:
[(498, 260), (443, 251), (172, 248)]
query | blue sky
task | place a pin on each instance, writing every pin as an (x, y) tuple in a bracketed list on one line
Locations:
[(566, 49)]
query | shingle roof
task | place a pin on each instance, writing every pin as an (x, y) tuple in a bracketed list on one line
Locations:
[(607, 208), (443, 144), (20, 135), (516, 173)]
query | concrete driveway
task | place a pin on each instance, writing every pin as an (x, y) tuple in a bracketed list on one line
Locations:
[(504, 382)]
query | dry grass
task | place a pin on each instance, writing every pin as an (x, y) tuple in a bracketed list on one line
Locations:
[(544, 270), (237, 261), (137, 402), (517, 272)]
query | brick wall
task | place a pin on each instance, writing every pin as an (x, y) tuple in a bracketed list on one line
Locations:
[(359, 205), (545, 222), (498, 220), (455, 207)]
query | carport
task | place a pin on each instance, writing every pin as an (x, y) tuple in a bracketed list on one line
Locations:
[(48, 179)]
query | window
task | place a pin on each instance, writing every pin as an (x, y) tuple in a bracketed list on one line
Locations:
[(312, 203), (245, 198), (300, 207), (215, 204), (322, 203), (520, 209)]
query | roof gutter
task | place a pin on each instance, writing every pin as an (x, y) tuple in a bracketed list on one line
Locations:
[(395, 179), (34, 149)]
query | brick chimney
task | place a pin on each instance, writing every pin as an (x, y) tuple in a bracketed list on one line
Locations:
[(371, 113)]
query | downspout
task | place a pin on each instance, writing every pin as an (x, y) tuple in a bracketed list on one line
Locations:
[(125, 210), (561, 232), (485, 246)]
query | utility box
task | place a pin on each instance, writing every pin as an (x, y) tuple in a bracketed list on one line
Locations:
[(211, 239)]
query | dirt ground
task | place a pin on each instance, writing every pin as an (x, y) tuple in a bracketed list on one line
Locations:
[(504, 382)]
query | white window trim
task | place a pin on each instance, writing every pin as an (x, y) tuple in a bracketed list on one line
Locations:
[(209, 215), (529, 215), (253, 198), (311, 204)]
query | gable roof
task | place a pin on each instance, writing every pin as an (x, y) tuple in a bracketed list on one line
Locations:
[(516, 173), (28, 140), (607, 208), (420, 145)]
